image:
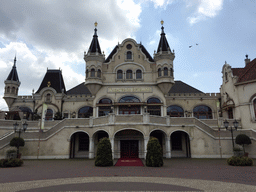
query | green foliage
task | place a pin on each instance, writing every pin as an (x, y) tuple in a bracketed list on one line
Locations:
[(58, 116), (154, 157), (104, 153), (243, 139), (11, 162), (240, 161), (16, 141)]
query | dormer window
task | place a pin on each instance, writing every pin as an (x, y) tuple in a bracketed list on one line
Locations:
[(165, 71), (119, 74), (48, 97), (138, 74), (92, 72), (129, 74), (129, 55)]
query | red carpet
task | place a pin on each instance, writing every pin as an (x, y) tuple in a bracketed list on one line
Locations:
[(129, 162)]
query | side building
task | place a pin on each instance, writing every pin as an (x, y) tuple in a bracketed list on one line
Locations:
[(128, 97)]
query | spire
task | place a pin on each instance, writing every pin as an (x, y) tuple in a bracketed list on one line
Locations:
[(163, 43), (95, 46), (13, 76)]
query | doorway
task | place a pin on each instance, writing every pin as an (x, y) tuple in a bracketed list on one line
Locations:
[(129, 148)]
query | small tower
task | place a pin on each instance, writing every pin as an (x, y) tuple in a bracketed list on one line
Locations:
[(12, 84), (164, 64), (94, 60)]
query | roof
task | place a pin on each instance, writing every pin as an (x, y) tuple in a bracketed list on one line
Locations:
[(163, 43), (143, 49), (181, 87), (79, 89), (95, 46), (13, 76), (54, 79), (247, 73)]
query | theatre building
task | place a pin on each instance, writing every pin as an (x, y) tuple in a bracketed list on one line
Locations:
[(128, 96)]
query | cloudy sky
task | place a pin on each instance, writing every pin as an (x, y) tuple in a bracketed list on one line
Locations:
[(55, 34)]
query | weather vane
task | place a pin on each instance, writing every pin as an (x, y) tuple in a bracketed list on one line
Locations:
[(95, 24), (162, 22)]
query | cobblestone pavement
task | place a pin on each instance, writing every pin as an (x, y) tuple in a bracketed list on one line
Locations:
[(81, 175)]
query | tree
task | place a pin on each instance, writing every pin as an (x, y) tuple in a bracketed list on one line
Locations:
[(104, 153), (243, 139), (17, 142), (154, 157)]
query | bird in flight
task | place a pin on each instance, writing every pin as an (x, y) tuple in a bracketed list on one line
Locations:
[(190, 46)]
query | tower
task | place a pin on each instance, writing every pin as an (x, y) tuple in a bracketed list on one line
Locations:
[(12, 84), (164, 64), (94, 60)]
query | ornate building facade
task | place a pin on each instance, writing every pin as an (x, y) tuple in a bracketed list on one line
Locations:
[(129, 97)]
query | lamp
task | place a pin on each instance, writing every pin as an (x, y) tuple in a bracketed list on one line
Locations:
[(235, 124), (18, 129)]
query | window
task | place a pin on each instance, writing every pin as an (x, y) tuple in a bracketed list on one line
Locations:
[(129, 55), (49, 115), (171, 72), (165, 71), (13, 89), (85, 112), (175, 111), (83, 142), (104, 110), (154, 110), (105, 101), (119, 74), (92, 72), (226, 76), (129, 74), (176, 139), (230, 113), (254, 107), (138, 74), (8, 89), (48, 97), (159, 72), (153, 100), (87, 73), (202, 112), (129, 99), (99, 73)]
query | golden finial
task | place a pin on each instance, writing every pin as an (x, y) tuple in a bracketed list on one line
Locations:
[(162, 22), (49, 84), (95, 24)]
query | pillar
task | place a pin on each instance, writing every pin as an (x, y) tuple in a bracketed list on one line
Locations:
[(112, 147), (146, 138), (91, 148), (168, 147)]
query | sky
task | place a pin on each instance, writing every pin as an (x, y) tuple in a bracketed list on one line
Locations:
[(54, 34)]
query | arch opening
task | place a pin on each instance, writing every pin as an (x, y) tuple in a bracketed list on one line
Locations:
[(79, 145), (180, 144)]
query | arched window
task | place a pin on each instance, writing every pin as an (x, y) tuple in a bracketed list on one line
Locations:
[(99, 73), (49, 115), (129, 99), (138, 74), (171, 74), (165, 71), (87, 73), (104, 107), (119, 74), (129, 74), (153, 108), (85, 112), (48, 97), (26, 112), (202, 112), (254, 107), (8, 89), (129, 55), (13, 89), (92, 72), (159, 72), (175, 111), (226, 76)]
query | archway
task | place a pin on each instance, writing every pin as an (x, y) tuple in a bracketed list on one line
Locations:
[(97, 136), (180, 144), (79, 145), (129, 143), (161, 136)]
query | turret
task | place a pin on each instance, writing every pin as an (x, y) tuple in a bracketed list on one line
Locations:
[(12, 84), (164, 64), (94, 60)]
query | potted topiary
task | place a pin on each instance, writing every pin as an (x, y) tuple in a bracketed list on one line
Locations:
[(243, 139), (17, 142), (104, 153), (154, 157)]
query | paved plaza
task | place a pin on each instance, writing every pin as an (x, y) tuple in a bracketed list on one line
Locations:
[(82, 175)]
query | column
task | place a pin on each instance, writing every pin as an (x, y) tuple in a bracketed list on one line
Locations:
[(91, 148), (112, 147), (146, 138), (168, 147)]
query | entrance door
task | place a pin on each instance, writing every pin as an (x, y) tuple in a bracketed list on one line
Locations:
[(129, 149)]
